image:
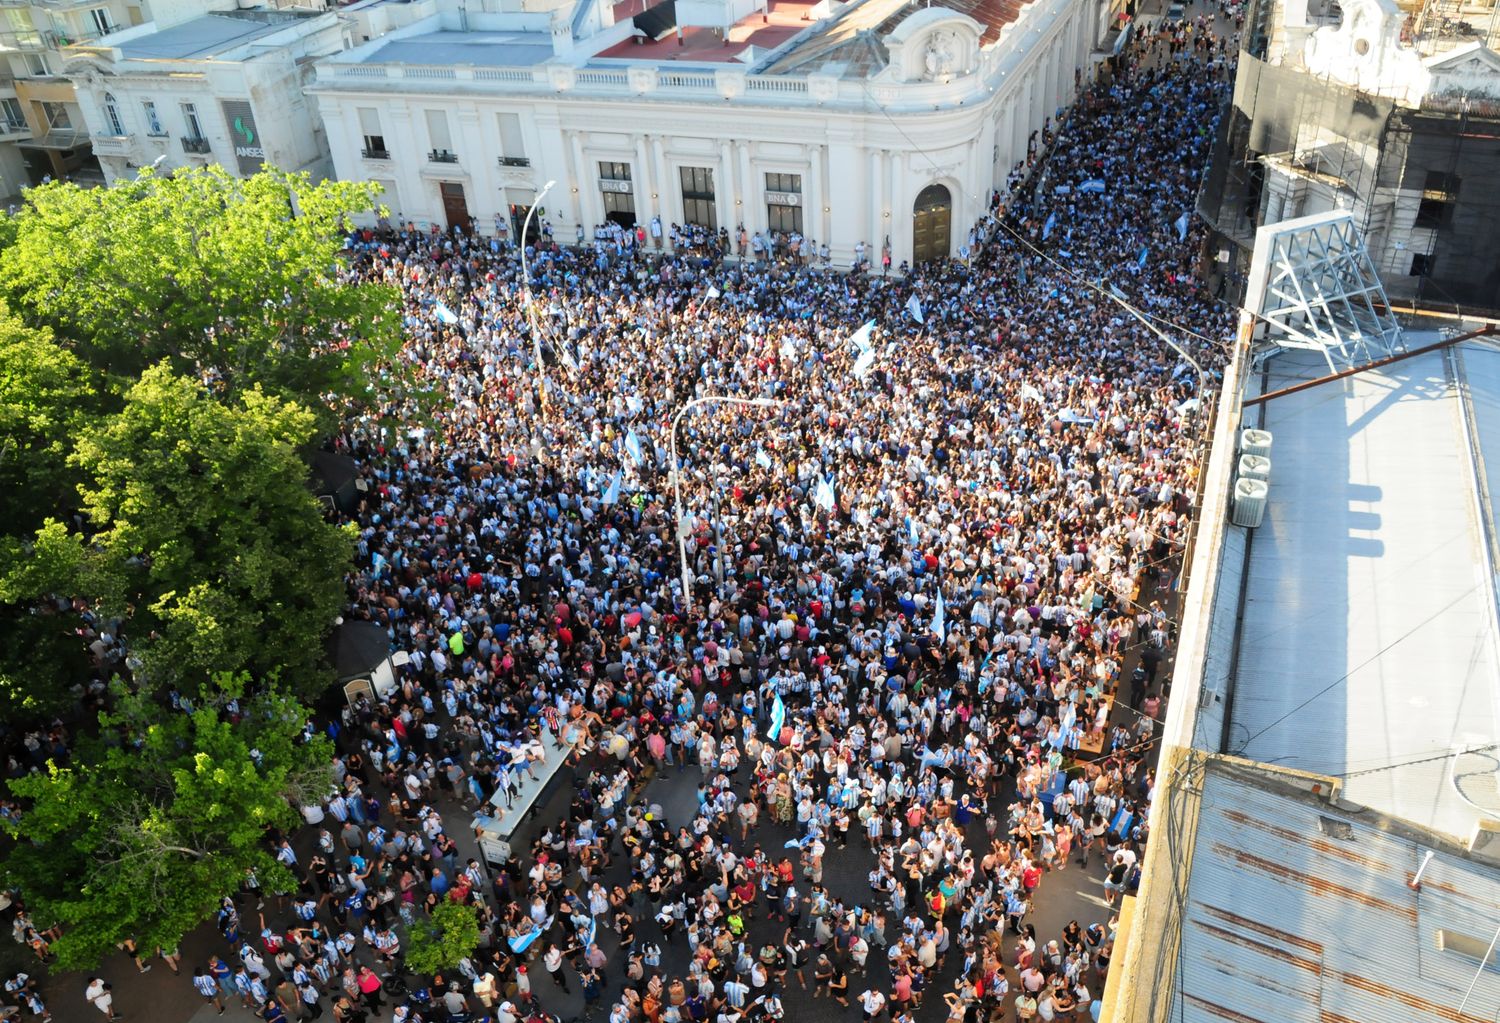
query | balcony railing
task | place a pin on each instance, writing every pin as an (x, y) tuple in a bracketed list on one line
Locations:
[(196, 145), (442, 156), (515, 161), (111, 145), (375, 154)]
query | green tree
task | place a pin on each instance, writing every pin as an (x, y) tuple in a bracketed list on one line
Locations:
[(207, 536), (437, 942), (234, 281), (167, 812), (47, 396)]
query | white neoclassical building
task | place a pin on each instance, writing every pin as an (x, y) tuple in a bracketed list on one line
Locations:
[(846, 122)]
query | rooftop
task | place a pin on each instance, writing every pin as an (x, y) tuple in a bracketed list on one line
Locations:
[(1297, 910), (212, 35), (783, 20), (477, 49), (1367, 633)]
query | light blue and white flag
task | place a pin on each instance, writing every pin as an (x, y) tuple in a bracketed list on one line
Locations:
[(1067, 415), (778, 718), (1182, 226), (823, 496), (1140, 260), (1030, 393), (445, 315), (1092, 185), (521, 942), (762, 459), (911, 531), (940, 617), (612, 495), (864, 362), (1048, 226), (914, 306), (633, 446), (861, 338), (711, 293)]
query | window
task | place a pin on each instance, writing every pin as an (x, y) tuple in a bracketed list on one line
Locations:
[(112, 116), (36, 65), (369, 127), (614, 171), (99, 21), (784, 202), (698, 197), (512, 149), (1439, 196), (1469, 946), (442, 141), (1421, 266), (153, 119), (15, 118), (57, 116), (190, 118)]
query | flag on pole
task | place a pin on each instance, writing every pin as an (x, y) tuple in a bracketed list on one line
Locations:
[(612, 495), (1029, 392), (1048, 226), (914, 306), (940, 618), (864, 362), (593, 929), (1182, 226), (911, 530), (823, 495), (445, 315), (1140, 260), (633, 446), (567, 357), (778, 718), (1092, 185), (711, 293), (762, 459), (861, 337)]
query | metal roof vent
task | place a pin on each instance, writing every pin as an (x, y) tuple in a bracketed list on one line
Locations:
[(1255, 467), (1255, 442), (1341, 830), (1249, 507)]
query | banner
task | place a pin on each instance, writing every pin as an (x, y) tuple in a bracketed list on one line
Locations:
[(778, 719), (249, 152)]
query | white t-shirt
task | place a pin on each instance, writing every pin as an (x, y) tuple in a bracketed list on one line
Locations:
[(873, 1001), (100, 995)]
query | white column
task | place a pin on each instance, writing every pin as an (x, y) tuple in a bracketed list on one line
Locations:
[(724, 190), (849, 216), (585, 197), (641, 174), (753, 211), (876, 196), (888, 223), (668, 186), (813, 223), (1019, 112)]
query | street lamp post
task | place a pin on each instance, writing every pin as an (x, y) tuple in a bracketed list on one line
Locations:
[(687, 577), (536, 334)]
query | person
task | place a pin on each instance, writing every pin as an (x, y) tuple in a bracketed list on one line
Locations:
[(98, 992), (208, 988), (872, 1004)]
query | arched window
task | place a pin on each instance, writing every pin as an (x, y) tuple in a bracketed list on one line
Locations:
[(112, 114)]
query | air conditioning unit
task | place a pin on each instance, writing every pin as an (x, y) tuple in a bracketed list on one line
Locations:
[(1255, 442), (1255, 467), (1249, 502)]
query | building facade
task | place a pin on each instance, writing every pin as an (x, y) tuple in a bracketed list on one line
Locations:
[(872, 122), (1390, 110)]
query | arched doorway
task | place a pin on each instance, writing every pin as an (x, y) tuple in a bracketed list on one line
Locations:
[(930, 219)]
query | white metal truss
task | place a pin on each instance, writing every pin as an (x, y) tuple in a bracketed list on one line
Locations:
[(1313, 286)]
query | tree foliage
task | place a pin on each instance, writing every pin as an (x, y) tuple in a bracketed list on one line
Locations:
[(207, 536), (233, 281), (437, 942), (162, 816)]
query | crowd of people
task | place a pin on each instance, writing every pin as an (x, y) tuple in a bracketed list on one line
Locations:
[(912, 675)]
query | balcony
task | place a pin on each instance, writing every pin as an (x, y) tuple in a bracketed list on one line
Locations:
[(112, 145), (196, 145), (442, 156), (375, 154), (515, 161), (26, 42), (11, 131)]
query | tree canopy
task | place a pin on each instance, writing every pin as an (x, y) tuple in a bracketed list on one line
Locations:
[(162, 816), (207, 535), (234, 281), (440, 941)]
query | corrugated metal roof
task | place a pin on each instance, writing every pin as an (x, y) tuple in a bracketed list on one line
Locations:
[(1285, 923), (1367, 637)]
